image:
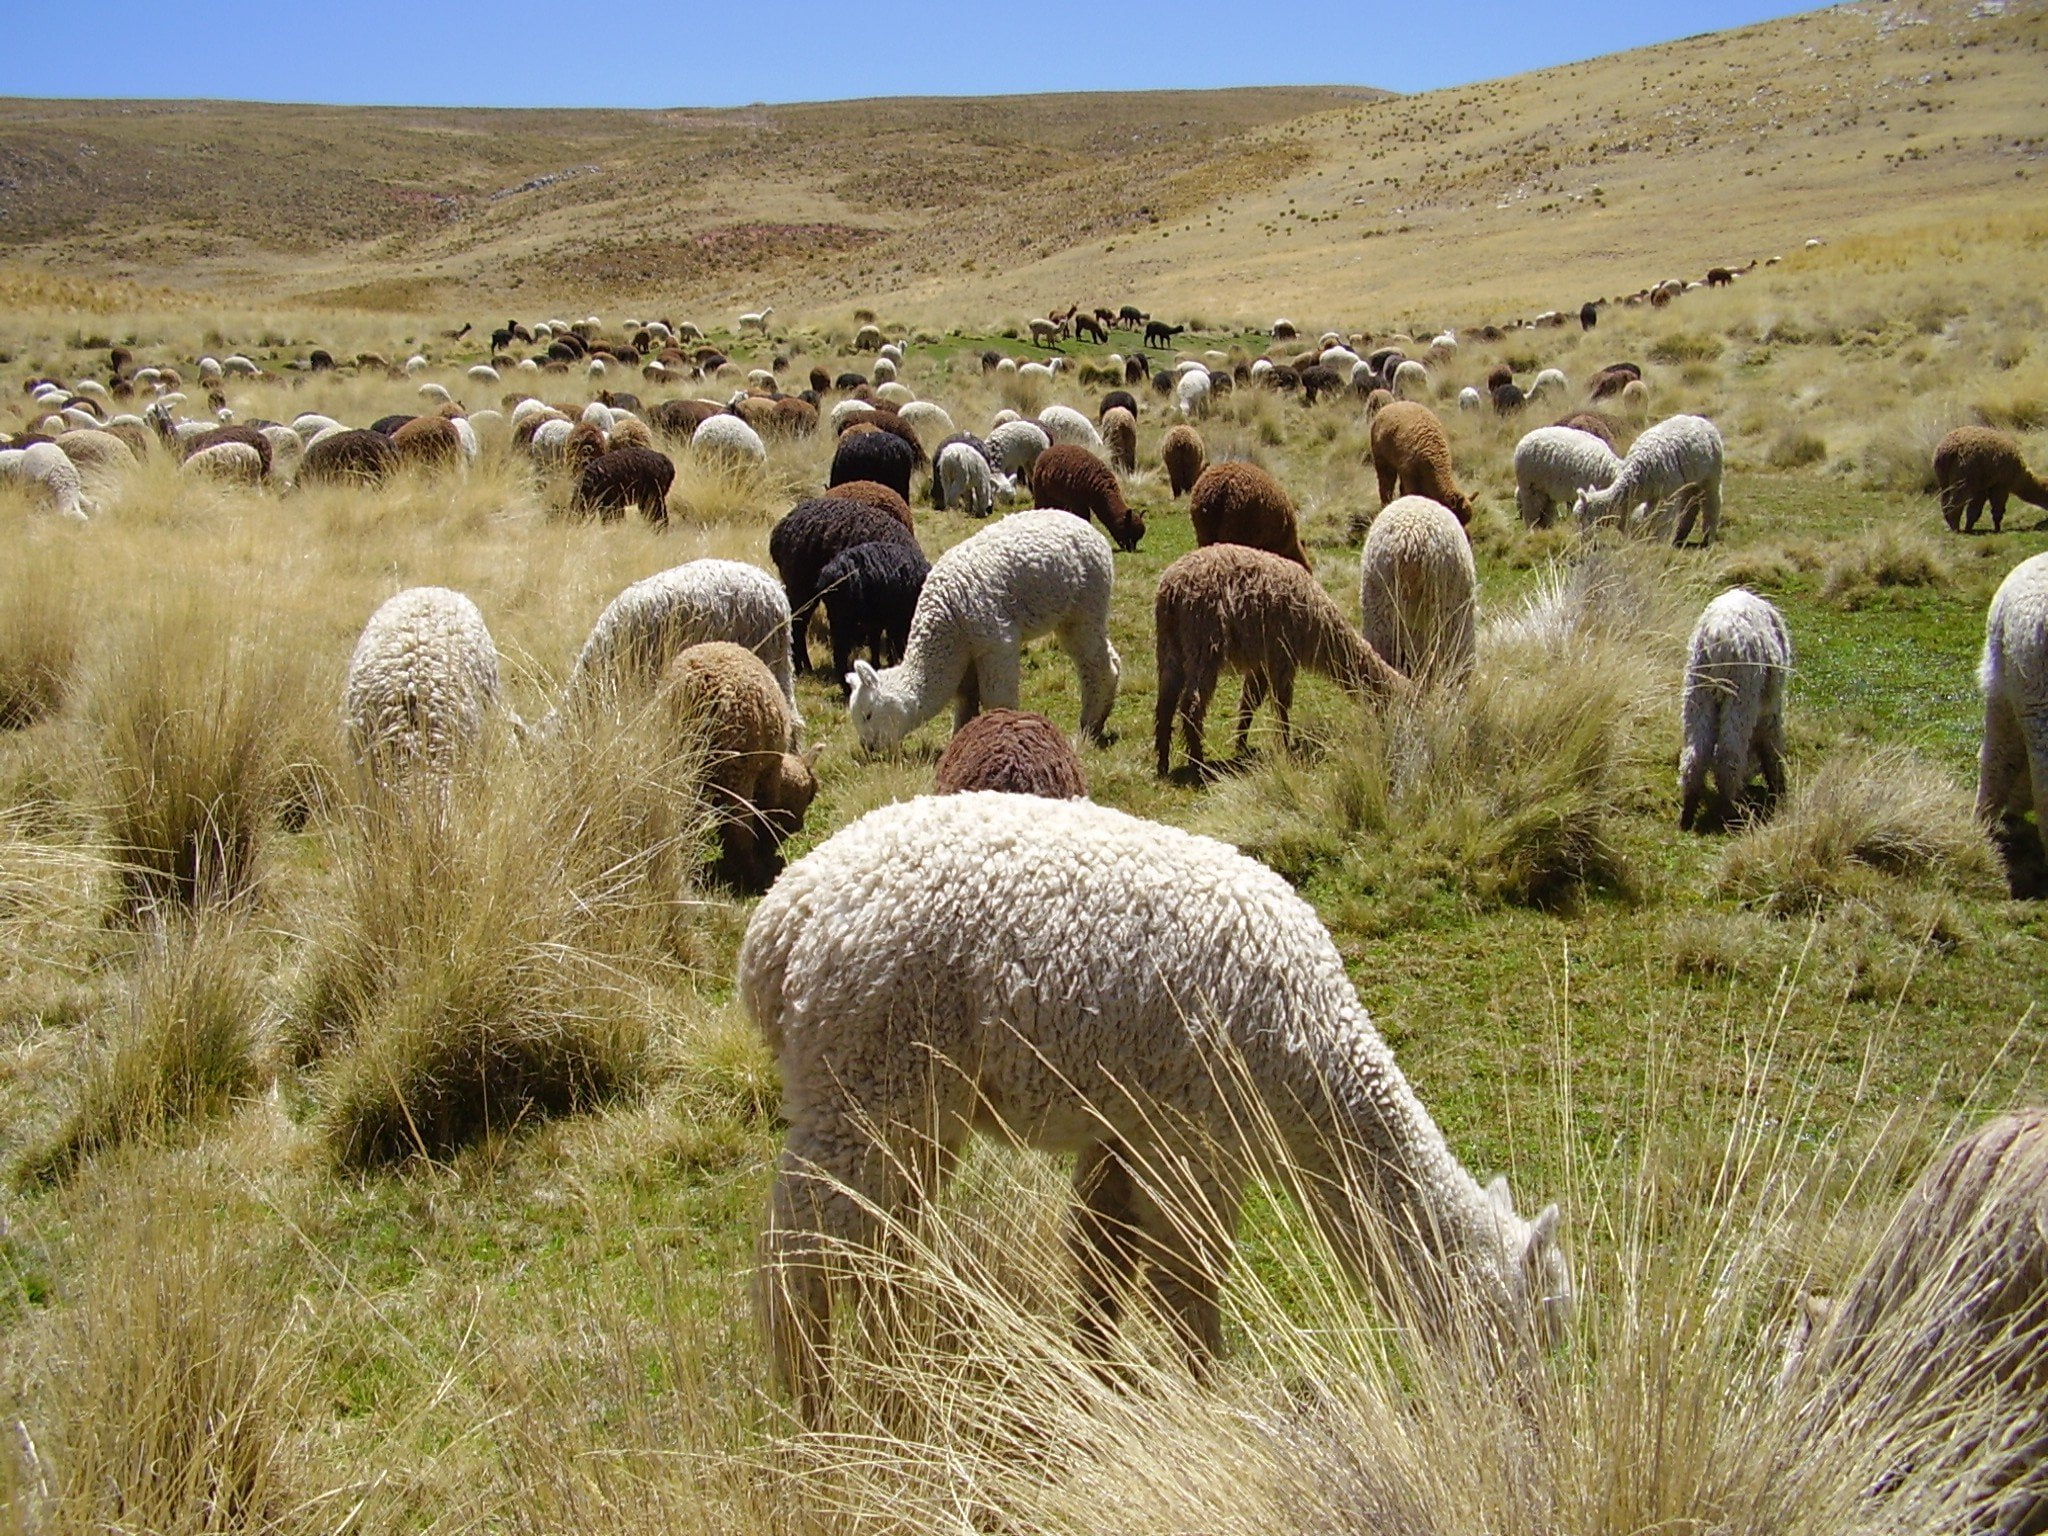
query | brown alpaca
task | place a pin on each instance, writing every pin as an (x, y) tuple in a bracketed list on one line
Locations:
[(1412, 456), (1975, 465), (1260, 615), (1239, 503), (1184, 457)]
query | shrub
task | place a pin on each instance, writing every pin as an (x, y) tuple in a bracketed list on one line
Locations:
[(1886, 558), (174, 1401), (1860, 820), (1794, 448)]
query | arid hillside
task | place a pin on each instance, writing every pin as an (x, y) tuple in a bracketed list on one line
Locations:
[(1537, 190)]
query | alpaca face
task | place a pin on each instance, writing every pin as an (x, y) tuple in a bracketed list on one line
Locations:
[(879, 722)]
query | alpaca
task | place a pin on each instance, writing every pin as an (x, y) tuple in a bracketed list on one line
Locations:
[(1262, 616), (1086, 981)]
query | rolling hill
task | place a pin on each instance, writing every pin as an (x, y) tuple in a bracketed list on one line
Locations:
[(1536, 190)]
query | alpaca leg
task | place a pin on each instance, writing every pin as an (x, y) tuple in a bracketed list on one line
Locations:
[(967, 697), (1194, 710), (815, 1208), (1001, 672), (1187, 1231), (1248, 700), (1952, 500), (1281, 688), (1998, 510), (1772, 761), (2001, 763), (1975, 511), (799, 631), (1103, 1239), (1387, 479), (1710, 511), (1172, 680)]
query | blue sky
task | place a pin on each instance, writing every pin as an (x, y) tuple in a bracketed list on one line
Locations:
[(652, 53)]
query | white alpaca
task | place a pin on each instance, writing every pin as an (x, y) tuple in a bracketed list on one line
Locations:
[(1679, 453), (1418, 591), (1733, 712), (757, 320), (1029, 574), (1089, 982), (966, 483), (421, 681), (2012, 766), (647, 625), (1064, 424), (1553, 464)]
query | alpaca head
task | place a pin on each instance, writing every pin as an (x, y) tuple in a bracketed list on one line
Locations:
[(880, 721), (1534, 1264)]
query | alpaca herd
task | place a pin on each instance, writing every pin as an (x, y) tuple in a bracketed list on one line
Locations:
[(1005, 955)]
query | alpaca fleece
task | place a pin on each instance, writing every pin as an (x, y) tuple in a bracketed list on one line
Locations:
[(1120, 437), (1013, 751), (1025, 575), (880, 456), (1016, 446), (1075, 480), (1185, 457), (728, 437), (1678, 453), (428, 442), (1090, 983), (625, 479), (679, 420), (1261, 616), (727, 700), (1418, 591), (1412, 456), (348, 457), (1950, 1308), (1239, 503), (870, 594), (1733, 711), (879, 496), (421, 681), (1552, 465), (50, 471), (803, 544), (1975, 465), (644, 627), (229, 463), (1065, 426), (2012, 764)]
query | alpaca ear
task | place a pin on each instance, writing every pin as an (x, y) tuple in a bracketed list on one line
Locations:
[(1499, 1198), (1543, 1230), (862, 676)]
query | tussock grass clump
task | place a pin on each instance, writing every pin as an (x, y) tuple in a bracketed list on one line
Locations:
[(1339, 1411), (1860, 820), (486, 959), (181, 1047), (42, 626), (175, 1398), (192, 713), (1886, 558), (1515, 790)]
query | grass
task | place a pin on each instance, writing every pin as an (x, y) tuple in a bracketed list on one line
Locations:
[(180, 1048), (1724, 1056)]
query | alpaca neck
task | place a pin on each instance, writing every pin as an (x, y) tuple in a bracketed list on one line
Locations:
[(1390, 1166), (1349, 658), (930, 673), (2031, 488)]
